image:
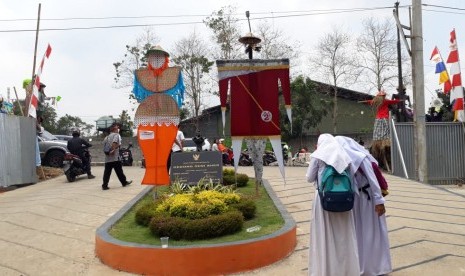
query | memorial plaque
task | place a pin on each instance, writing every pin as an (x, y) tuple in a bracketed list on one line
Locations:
[(190, 167)]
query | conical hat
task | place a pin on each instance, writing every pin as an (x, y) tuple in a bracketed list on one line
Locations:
[(157, 50)]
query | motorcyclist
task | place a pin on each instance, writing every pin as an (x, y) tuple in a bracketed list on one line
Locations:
[(198, 140), (77, 146)]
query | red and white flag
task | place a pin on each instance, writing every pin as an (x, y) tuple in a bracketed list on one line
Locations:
[(34, 102), (456, 95)]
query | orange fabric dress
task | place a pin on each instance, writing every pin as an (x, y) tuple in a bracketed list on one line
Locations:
[(155, 142)]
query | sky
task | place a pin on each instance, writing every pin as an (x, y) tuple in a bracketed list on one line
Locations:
[(80, 69)]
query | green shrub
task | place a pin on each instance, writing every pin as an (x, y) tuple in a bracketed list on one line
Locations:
[(206, 228), (145, 213), (199, 205), (229, 179), (163, 225), (247, 207), (228, 172), (178, 188), (242, 180)]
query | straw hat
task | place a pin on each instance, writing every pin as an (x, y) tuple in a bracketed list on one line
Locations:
[(157, 50)]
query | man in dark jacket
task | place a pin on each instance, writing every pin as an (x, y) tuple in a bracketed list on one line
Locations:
[(77, 146), (198, 140)]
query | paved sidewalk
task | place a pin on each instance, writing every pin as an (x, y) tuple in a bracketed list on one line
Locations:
[(49, 228)]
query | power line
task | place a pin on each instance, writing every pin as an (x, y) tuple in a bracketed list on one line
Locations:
[(448, 12), (443, 7), (104, 18), (309, 13), (325, 11)]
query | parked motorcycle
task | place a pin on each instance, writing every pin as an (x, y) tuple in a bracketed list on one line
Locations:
[(73, 166), (125, 155), (244, 159), (268, 158)]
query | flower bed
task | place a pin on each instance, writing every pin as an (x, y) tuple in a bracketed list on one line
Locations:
[(201, 259)]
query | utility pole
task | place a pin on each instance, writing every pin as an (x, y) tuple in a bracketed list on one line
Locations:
[(418, 92), (399, 52)]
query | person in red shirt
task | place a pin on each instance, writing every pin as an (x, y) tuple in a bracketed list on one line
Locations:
[(381, 106), (226, 152)]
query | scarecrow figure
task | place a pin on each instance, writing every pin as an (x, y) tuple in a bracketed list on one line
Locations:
[(381, 136), (253, 87), (160, 90)]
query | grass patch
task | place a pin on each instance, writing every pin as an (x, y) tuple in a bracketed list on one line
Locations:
[(267, 216)]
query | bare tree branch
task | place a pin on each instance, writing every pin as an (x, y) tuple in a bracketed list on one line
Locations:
[(191, 54), (335, 62)]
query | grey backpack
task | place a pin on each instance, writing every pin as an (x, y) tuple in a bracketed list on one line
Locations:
[(106, 146)]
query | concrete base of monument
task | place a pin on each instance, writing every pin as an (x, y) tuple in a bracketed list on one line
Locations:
[(212, 259)]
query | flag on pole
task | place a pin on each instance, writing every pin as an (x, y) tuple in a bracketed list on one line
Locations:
[(34, 102), (441, 70), (456, 95)]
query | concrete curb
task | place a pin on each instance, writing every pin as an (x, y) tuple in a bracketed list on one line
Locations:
[(208, 259)]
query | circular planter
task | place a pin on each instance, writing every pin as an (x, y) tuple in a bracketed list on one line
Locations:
[(216, 259)]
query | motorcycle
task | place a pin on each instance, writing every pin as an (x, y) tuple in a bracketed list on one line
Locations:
[(125, 155), (268, 158), (244, 159), (73, 165)]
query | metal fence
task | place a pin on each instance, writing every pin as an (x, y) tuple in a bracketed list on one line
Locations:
[(445, 152), (17, 150)]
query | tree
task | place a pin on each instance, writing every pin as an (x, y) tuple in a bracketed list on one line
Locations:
[(378, 53), (50, 116), (126, 123), (68, 122), (224, 26), (335, 62), (191, 54), (307, 109), (134, 58), (275, 44)]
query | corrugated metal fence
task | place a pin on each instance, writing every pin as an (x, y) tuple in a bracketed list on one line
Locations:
[(17, 150), (445, 152)]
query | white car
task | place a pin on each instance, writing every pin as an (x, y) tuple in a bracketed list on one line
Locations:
[(189, 145)]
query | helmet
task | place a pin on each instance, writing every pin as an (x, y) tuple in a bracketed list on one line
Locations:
[(76, 132)]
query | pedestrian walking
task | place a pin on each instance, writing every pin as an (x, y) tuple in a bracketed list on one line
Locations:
[(369, 211), (112, 160), (333, 242)]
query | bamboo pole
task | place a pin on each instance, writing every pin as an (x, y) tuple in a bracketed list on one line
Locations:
[(17, 100), (34, 61)]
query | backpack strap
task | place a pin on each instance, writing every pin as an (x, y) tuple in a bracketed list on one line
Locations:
[(364, 189)]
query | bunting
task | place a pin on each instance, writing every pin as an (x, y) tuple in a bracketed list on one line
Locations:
[(441, 70), (34, 102), (456, 95)]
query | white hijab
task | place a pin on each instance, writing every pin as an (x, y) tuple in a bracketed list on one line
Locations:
[(331, 152), (355, 151)]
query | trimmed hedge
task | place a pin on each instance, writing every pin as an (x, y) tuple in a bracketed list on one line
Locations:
[(181, 228), (145, 213), (242, 180), (229, 179), (247, 207)]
